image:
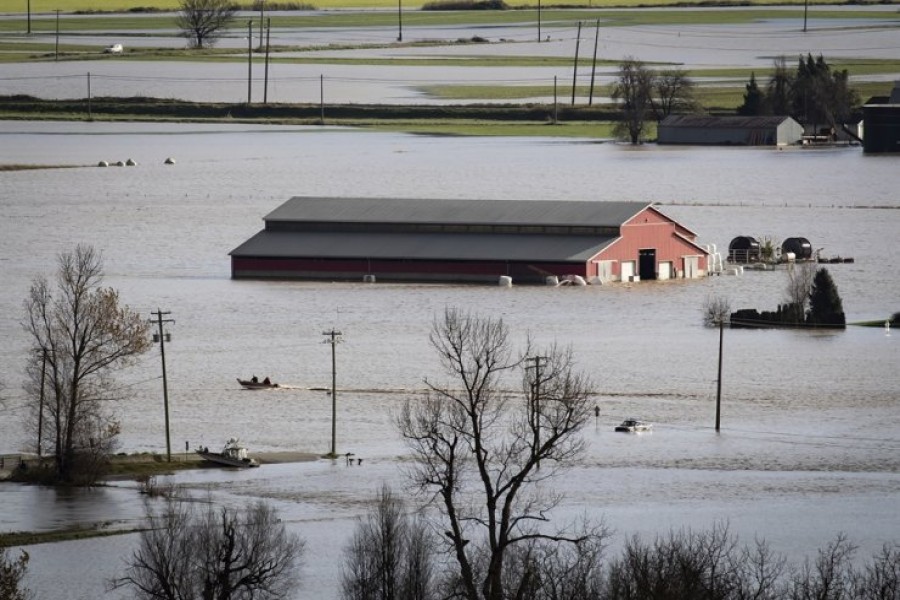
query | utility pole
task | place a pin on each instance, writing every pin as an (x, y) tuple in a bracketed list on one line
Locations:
[(594, 63), (40, 440), (56, 52), (249, 60), (162, 337), (575, 70), (719, 382), (29, 17), (334, 338), (262, 6), (536, 405), (539, 21), (805, 10), (399, 20), (266, 78)]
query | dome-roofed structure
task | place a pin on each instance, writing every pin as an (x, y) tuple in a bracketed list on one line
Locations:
[(798, 246), (744, 249)]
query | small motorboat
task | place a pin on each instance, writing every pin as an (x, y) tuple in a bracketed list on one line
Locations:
[(634, 426), (254, 384), (232, 455)]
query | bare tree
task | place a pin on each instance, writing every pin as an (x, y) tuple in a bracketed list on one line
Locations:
[(391, 555), (214, 553), (12, 575), (203, 22), (634, 92), (829, 577), (799, 284), (688, 565), (716, 311), (81, 335), (880, 579), (482, 454), (674, 93)]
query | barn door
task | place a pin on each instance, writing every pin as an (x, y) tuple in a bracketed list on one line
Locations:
[(647, 264), (691, 267)]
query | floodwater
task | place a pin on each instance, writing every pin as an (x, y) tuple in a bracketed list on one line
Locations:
[(810, 440)]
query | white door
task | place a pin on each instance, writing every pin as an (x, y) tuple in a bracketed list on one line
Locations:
[(627, 270), (691, 267), (605, 270), (665, 270)]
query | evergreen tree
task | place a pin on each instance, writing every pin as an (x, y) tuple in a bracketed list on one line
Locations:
[(754, 99), (825, 306), (779, 89)]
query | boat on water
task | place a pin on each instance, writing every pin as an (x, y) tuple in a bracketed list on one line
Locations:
[(232, 455), (634, 426), (254, 384)]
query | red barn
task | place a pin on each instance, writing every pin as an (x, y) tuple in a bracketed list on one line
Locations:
[(468, 241)]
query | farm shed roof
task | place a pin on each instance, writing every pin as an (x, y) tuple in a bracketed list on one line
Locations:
[(420, 211), (704, 121)]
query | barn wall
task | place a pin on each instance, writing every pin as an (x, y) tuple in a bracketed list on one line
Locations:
[(650, 229), (400, 270)]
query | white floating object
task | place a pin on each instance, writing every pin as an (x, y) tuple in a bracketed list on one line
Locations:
[(130, 163), (102, 163), (369, 278), (505, 281), (551, 280)]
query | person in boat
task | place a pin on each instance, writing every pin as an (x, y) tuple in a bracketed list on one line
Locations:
[(254, 379), (266, 381)]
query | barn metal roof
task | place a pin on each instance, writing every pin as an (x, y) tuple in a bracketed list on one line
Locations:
[(705, 121), (422, 246), (469, 212)]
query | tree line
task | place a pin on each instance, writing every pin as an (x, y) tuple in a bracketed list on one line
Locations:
[(813, 93)]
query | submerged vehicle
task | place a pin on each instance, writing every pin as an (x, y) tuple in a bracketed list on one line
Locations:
[(634, 426), (255, 384)]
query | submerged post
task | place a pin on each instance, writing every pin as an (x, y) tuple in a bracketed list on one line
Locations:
[(719, 381), (162, 351), (334, 338)]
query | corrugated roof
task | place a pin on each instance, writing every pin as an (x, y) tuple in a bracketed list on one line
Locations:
[(422, 246), (705, 121), (470, 212)]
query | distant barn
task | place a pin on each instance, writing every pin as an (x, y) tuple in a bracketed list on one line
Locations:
[(468, 241), (881, 116), (729, 131)]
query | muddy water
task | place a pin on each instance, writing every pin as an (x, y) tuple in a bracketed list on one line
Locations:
[(810, 443)]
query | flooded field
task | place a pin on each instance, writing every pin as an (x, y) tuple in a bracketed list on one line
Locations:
[(810, 443), (331, 79)]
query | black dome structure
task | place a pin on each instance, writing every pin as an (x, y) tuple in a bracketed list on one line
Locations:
[(800, 247), (743, 249)]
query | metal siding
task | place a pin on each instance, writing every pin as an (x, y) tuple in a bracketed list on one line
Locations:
[(661, 236)]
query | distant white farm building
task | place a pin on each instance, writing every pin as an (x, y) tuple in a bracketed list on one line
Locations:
[(729, 131)]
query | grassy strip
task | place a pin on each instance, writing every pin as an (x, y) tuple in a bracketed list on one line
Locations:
[(577, 129), (27, 538), (550, 17), (48, 6), (4, 168)]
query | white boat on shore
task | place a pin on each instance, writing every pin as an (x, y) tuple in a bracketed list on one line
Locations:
[(232, 455)]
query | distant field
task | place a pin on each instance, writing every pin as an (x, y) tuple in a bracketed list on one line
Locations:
[(551, 17), (68, 6)]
